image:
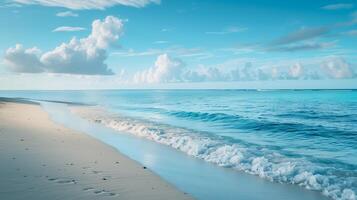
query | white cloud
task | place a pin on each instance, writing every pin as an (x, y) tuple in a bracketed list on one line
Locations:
[(338, 6), (78, 56), (10, 5), (338, 68), (296, 71), (68, 29), (166, 69), (205, 74), (18, 59), (67, 14), (87, 4)]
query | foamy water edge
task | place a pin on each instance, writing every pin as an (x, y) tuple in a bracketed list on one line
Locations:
[(262, 162)]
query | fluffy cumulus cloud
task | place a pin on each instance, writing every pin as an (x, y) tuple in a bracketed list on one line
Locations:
[(78, 56), (204, 74), (18, 59), (87, 4), (338, 68), (296, 71), (168, 69)]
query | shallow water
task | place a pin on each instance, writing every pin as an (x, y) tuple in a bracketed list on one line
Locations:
[(199, 179), (305, 138)]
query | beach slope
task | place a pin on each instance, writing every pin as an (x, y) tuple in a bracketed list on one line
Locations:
[(43, 160)]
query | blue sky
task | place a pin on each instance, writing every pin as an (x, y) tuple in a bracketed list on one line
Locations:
[(178, 44)]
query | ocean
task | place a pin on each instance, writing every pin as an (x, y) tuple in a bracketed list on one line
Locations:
[(301, 138)]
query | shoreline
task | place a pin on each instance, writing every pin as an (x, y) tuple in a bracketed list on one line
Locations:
[(44, 160), (168, 162)]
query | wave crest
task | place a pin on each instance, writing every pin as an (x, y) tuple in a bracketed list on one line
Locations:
[(254, 160)]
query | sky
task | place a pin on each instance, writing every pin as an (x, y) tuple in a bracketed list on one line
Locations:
[(215, 44)]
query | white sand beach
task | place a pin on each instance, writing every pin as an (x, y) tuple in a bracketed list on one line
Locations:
[(43, 160)]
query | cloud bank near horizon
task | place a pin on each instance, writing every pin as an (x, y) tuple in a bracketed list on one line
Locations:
[(173, 70), (78, 56)]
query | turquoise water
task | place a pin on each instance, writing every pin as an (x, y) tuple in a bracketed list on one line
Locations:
[(306, 138)]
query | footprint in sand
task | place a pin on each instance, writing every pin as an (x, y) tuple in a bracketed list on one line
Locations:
[(104, 192), (63, 180), (88, 188), (99, 191), (96, 172), (111, 194), (70, 164), (106, 178), (52, 179)]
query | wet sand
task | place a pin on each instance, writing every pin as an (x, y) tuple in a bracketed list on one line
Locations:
[(43, 160)]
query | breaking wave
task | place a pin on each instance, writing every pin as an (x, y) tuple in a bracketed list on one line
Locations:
[(332, 181)]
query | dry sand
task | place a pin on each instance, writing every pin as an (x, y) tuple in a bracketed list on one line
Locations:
[(43, 160)]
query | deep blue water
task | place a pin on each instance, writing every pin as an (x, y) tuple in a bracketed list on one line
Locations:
[(301, 137)]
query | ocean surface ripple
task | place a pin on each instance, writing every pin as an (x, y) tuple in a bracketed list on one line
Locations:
[(334, 178)]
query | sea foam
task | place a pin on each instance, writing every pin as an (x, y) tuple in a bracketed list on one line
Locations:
[(256, 160)]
